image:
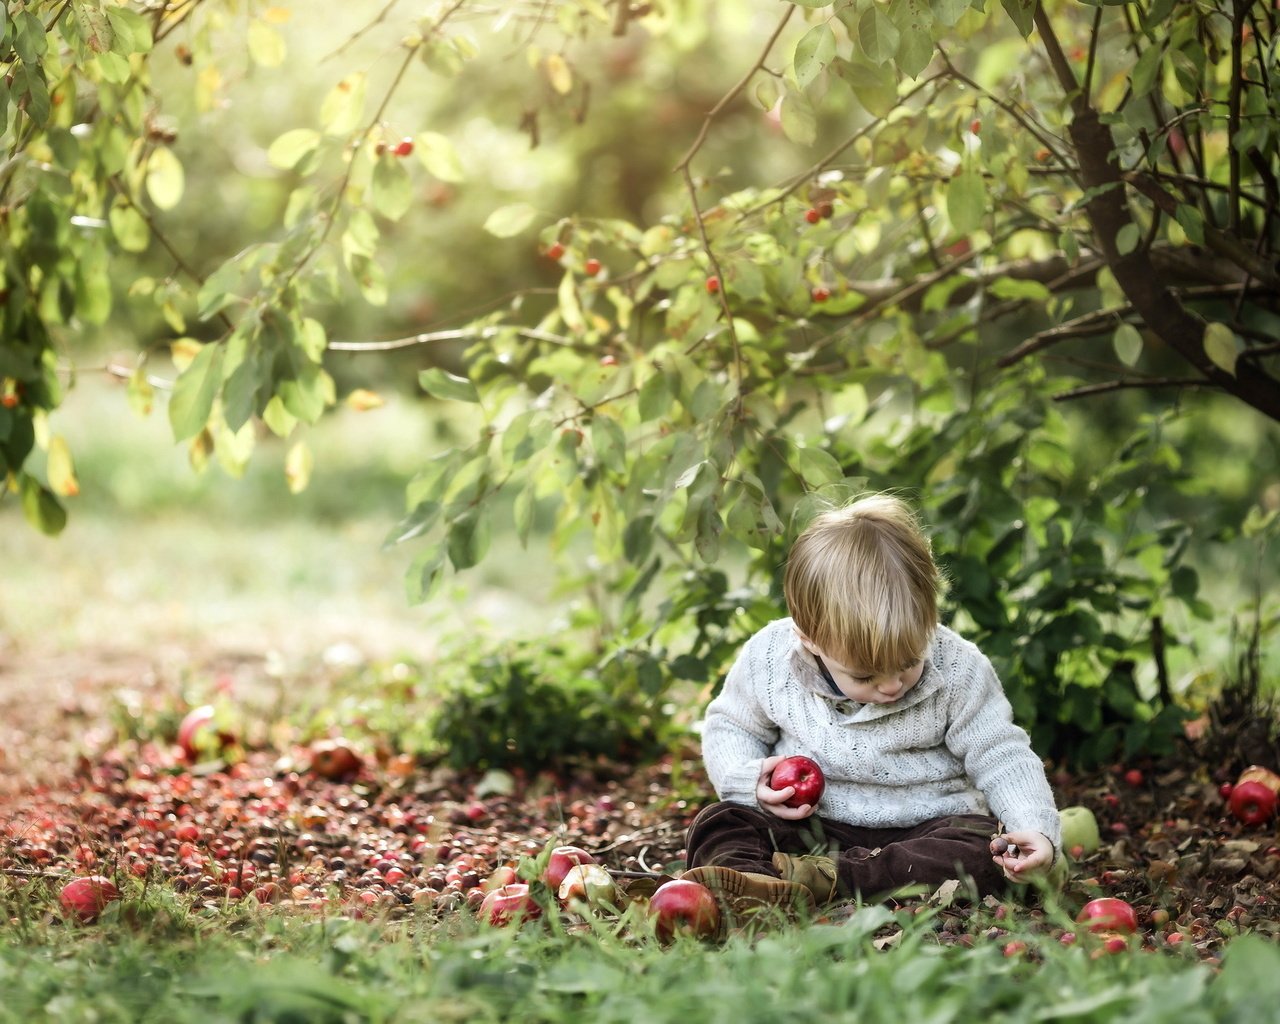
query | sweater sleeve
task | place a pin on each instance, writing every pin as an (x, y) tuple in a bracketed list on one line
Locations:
[(997, 754), (737, 732)]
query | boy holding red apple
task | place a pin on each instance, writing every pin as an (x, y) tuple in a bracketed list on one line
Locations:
[(907, 720)]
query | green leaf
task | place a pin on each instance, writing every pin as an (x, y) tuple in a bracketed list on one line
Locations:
[(425, 574), (609, 443), (1220, 347), (194, 392), (292, 147), (1127, 342), (874, 85), (447, 386), (813, 5), (469, 537), (343, 107), (878, 35), (799, 123), (508, 221), (132, 31), (438, 156), (1146, 71), (817, 467), (41, 507), (95, 29), (966, 201), (1023, 13), (1191, 220), (1012, 288), (1127, 239), (392, 189), (165, 178), (266, 46), (813, 53)]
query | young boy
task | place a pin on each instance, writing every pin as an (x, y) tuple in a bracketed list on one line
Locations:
[(908, 722)]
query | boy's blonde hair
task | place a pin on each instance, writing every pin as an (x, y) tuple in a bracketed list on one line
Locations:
[(862, 585)]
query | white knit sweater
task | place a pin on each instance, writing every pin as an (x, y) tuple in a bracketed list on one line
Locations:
[(949, 746)]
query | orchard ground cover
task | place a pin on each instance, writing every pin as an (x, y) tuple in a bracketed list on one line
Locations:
[(260, 890)]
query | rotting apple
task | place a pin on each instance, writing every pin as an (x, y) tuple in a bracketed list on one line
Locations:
[(335, 759), (804, 774), (199, 735), (589, 883), (86, 897), (684, 907), (1257, 773), (1252, 803), (508, 904), (562, 859), (1108, 914)]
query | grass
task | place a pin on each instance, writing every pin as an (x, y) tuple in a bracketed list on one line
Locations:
[(175, 968)]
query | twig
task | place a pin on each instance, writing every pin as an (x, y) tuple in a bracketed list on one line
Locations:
[(461, 334), (1133, 383)]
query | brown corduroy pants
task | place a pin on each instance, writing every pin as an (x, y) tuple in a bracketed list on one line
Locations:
[(870, 862)]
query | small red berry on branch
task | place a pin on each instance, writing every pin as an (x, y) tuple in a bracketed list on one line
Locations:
[(404, 147), (592, 267), (820, 294), (554, 251), (813, 215), (975, 126), (713, 284)]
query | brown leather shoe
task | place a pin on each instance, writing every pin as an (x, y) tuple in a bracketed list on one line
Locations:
[(749, 896), (813, 871)]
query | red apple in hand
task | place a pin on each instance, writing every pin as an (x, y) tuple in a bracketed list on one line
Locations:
[(1252, 803), (508, 904), (804, 774), (681, 907), (562, 859), (1108, 914), (86, 898)]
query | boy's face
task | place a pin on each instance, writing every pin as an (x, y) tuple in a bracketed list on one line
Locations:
[(864, 687)]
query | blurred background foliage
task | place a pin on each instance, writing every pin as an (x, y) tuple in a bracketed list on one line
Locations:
[(1111, 554)]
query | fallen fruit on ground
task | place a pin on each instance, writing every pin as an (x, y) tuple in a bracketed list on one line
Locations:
[(509, 904), (804, 774), (199, 736), (1252, 803), (86, 897), (682, 907), (1079, 829), (562, 859), (590, 883), (1257, 773), (1108, 914), (335, 759)]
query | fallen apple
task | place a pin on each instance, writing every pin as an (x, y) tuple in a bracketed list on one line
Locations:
[(1108, 914), (562, 859), (1079, 829), (509, 904), (589, 883), (199, 735), (1252, 803), (1256, 773), (804, 774), (86, 897), (684, 907), (335, 759)]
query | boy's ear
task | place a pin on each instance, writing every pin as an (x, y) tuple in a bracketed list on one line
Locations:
[(805, 642)]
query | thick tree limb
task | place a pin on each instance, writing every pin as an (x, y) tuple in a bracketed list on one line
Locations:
[(1108, 212)]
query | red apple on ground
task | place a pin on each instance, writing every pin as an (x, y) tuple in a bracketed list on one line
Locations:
[(508, 904), (804, 774), (199, 736), (590, 883), (1108, 914), (1252, 803), (1256, 773), (86, 897), (335, 759), (682, 907), (562, 859)]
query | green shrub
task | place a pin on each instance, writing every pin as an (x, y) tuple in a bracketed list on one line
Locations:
[(532, 706)]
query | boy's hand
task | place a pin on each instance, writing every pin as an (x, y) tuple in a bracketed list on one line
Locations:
[(1022, 854), (774, 800)]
